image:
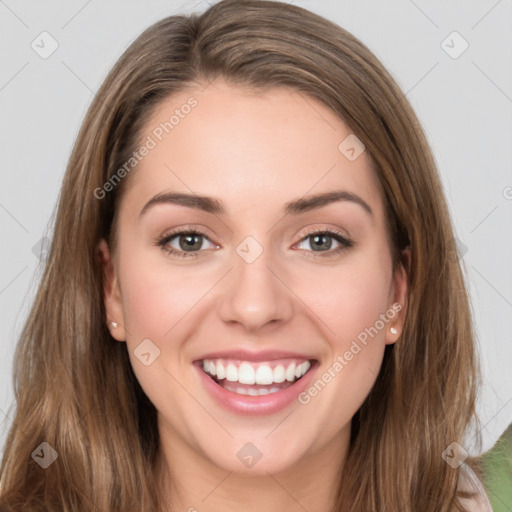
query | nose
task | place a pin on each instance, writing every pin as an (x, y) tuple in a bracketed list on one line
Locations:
[(254, 295)]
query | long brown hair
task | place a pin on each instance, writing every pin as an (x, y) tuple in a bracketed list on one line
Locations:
[(74, 385)]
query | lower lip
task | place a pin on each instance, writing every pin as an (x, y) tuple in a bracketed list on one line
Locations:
[(255, 405)]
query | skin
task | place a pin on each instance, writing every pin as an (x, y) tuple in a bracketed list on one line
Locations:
[(255, 152)]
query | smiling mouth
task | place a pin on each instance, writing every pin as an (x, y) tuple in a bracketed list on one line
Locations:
[(255, 379)]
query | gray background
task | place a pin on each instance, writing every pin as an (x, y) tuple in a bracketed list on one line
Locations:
[(464, 104)]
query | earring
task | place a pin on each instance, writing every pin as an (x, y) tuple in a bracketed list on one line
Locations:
[(114, 324), (393, 330)]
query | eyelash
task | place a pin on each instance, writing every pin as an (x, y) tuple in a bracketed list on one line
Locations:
[(344, 242)]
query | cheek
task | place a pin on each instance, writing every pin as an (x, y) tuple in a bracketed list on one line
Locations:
[(158, 302), (349, 299), (351, 305), (157, 297)]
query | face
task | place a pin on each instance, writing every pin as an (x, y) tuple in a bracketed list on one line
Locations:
[(252, 246)]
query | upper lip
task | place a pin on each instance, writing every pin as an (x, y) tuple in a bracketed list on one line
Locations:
[(246, 355)]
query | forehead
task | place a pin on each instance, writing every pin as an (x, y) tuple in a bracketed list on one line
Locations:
[(251, 148)]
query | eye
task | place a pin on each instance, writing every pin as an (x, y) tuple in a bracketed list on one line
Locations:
[(186, 243), (320, 241), (190, 242)]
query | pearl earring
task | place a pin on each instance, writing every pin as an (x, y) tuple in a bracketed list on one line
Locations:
[(393, 330), (114, 324)]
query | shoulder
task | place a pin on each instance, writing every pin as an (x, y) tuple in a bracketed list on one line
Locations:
[(469, 483)]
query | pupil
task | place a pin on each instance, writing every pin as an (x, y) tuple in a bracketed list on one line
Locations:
[(326, 245), (191, 242)]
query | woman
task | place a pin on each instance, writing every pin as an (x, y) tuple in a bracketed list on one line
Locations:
[(252, 297)]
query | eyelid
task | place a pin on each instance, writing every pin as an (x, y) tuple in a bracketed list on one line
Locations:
[(329, 230), (181, 230), (163, 240), (344, 241)]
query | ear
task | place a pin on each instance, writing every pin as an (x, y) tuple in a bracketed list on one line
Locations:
[(398, 299), (111, 293)]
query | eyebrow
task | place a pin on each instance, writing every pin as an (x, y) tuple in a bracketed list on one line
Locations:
[(215, 206)]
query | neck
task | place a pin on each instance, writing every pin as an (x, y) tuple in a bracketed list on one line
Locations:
[(192, 483)]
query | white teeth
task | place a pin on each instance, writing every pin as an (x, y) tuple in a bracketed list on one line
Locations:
[(246, 374), (254, 373), (221, 372), (279, 374), (290, 372), (304, 367), (232, 373), (264, 375), (250, 391)]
